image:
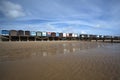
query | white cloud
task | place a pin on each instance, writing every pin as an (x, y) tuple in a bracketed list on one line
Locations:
[(98, 26), (11, 10)]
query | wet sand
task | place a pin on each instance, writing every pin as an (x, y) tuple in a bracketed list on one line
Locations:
[(59, 60)]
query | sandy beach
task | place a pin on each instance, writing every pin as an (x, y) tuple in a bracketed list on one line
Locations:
[(59, 60)]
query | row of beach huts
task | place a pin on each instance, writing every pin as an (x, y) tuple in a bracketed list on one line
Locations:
[(21, 35)]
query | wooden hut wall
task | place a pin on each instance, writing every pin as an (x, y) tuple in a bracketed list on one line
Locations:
[(70, 34), (67, 34), (49, 34), (44, 34), (83, 35), (27, 33), (57, 34), (73, 35), (107, 37), (60, 34), (64, 34), (32, 33), (116, 38), (76, 35), (13, 33), (39, 33), (20, 33), (5, 32), (53, 34)]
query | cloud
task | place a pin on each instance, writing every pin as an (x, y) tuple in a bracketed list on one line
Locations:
[(11, 10)]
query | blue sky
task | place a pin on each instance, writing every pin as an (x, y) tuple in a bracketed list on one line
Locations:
[(77, 16)]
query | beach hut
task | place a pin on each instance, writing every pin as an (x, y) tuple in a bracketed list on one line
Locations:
[(13, 33), (61, 35), (20, 33), (57, 34), (38, 33), (44, 34), (116, 37), (64, 35), (75, 35), (32, 36), (107, 37), (27, 33), (53, 34), (48, 34), (99, 37), (70, 34), (5, 32), (83, 36), (32, 33), (93, 37), (67, 35)]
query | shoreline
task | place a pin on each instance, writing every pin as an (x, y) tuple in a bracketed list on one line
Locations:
[(105, 41)]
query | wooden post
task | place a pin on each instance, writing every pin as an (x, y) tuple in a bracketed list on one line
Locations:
[(53, 39), (35, 38), (27, 38), (9, 38), (0, 37), (103, 39), (48, 39), (42, 38), (111, 39), (19, 38), (90, 38)]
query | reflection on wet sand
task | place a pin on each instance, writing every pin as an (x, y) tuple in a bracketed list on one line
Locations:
[(72, 60), (13, 51)]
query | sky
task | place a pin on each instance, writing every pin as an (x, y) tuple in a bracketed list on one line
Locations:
[(70, 16)]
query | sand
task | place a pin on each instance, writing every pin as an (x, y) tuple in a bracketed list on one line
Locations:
[(59, 60)]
